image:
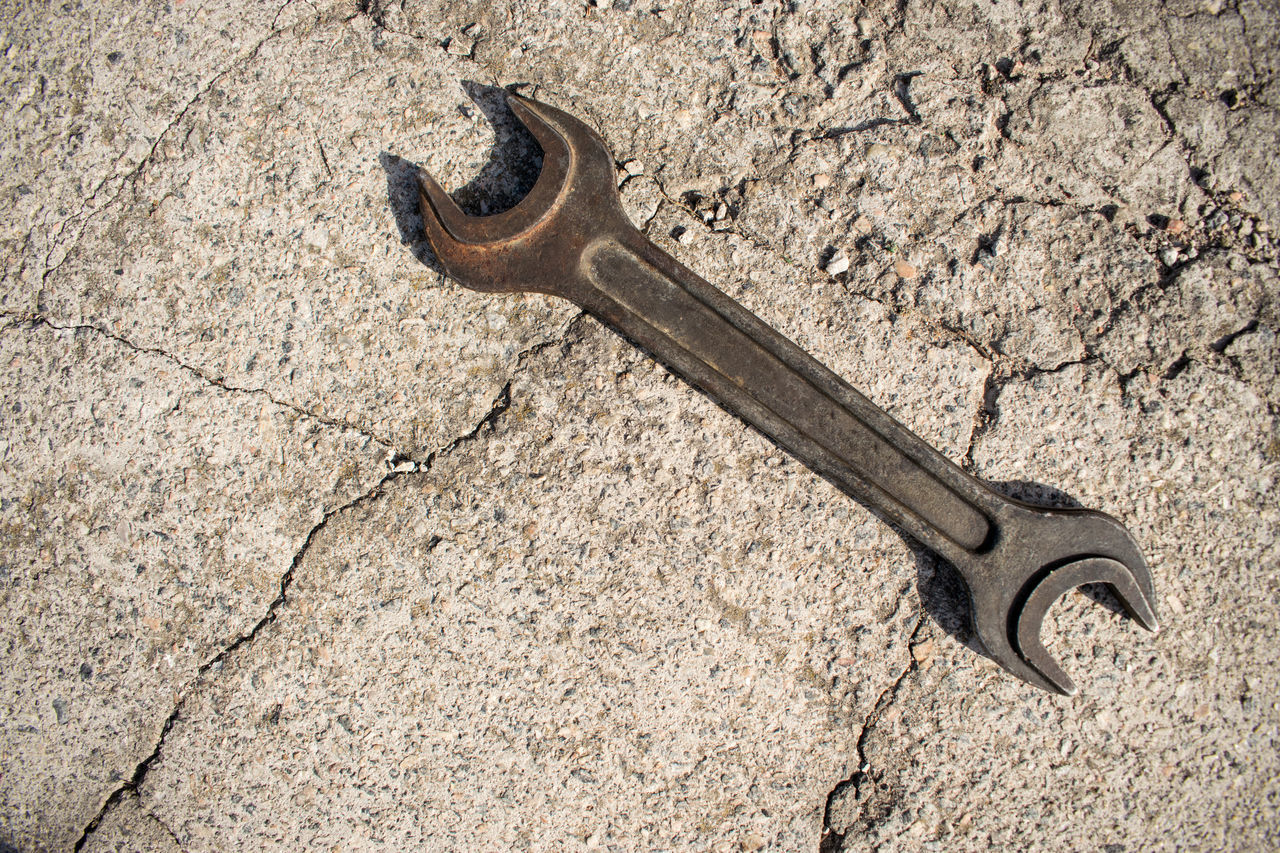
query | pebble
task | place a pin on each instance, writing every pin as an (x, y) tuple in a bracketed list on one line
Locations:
[(1169, 257), (923, 653), (1176, 226), (838, 264), (633, 167), (821, 180), (904, 269)]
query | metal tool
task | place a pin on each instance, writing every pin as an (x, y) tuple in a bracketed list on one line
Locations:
[(570, 237)]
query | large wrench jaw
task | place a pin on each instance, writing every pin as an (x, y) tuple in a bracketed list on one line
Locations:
[(1037, 556), (1016, 559)]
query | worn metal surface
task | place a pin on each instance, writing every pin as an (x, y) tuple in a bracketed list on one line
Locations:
[(570, 238)]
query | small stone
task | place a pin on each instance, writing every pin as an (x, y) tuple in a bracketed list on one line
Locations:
[(461, 47), (862, 225), (924, 653), (317, 238), (687, 237), (722, 211), (702, 625), (821, 181), (838, 264), (633, 167), (904, 269), (1235, 197), (1176, 226), (1169, 257), (877, 149)]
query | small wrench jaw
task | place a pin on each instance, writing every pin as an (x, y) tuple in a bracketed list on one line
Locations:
[(1009, 603), (526, 248)]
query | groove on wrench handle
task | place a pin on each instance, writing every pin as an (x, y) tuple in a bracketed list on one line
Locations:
[(767, 380)]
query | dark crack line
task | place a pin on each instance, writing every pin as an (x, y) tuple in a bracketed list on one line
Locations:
[(168, 830), (1221, 344), (216, 382), (131, 177), (1001, 375), (832, 841)]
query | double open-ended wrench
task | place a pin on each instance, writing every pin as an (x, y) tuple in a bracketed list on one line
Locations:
[(570, 237)]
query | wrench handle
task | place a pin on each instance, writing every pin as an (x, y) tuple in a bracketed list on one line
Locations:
[(758, 374)]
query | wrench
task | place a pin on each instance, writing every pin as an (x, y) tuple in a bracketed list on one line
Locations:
[(569, 237)]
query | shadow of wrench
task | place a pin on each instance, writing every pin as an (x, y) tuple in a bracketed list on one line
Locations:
[(569, 237)]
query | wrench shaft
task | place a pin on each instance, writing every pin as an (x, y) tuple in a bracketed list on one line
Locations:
[(764, 378)]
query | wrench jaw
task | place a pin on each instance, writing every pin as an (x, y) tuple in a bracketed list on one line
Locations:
[(1072, 548), (526, 248), (1057, 583)]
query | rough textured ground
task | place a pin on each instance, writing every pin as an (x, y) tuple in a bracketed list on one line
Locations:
[(305, 546)]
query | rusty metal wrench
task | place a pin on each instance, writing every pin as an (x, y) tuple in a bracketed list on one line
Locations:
[(570, 237)]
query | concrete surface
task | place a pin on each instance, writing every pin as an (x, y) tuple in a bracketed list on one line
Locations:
[(305, 546)]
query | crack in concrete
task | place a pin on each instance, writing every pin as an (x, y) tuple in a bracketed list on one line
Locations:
[(832, 841), (133, 175), (167, 829), (1003, 373), (15, 319), (500, 405)]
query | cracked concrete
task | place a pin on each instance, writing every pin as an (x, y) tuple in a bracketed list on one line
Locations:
[(306, 545), (148, 517)]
